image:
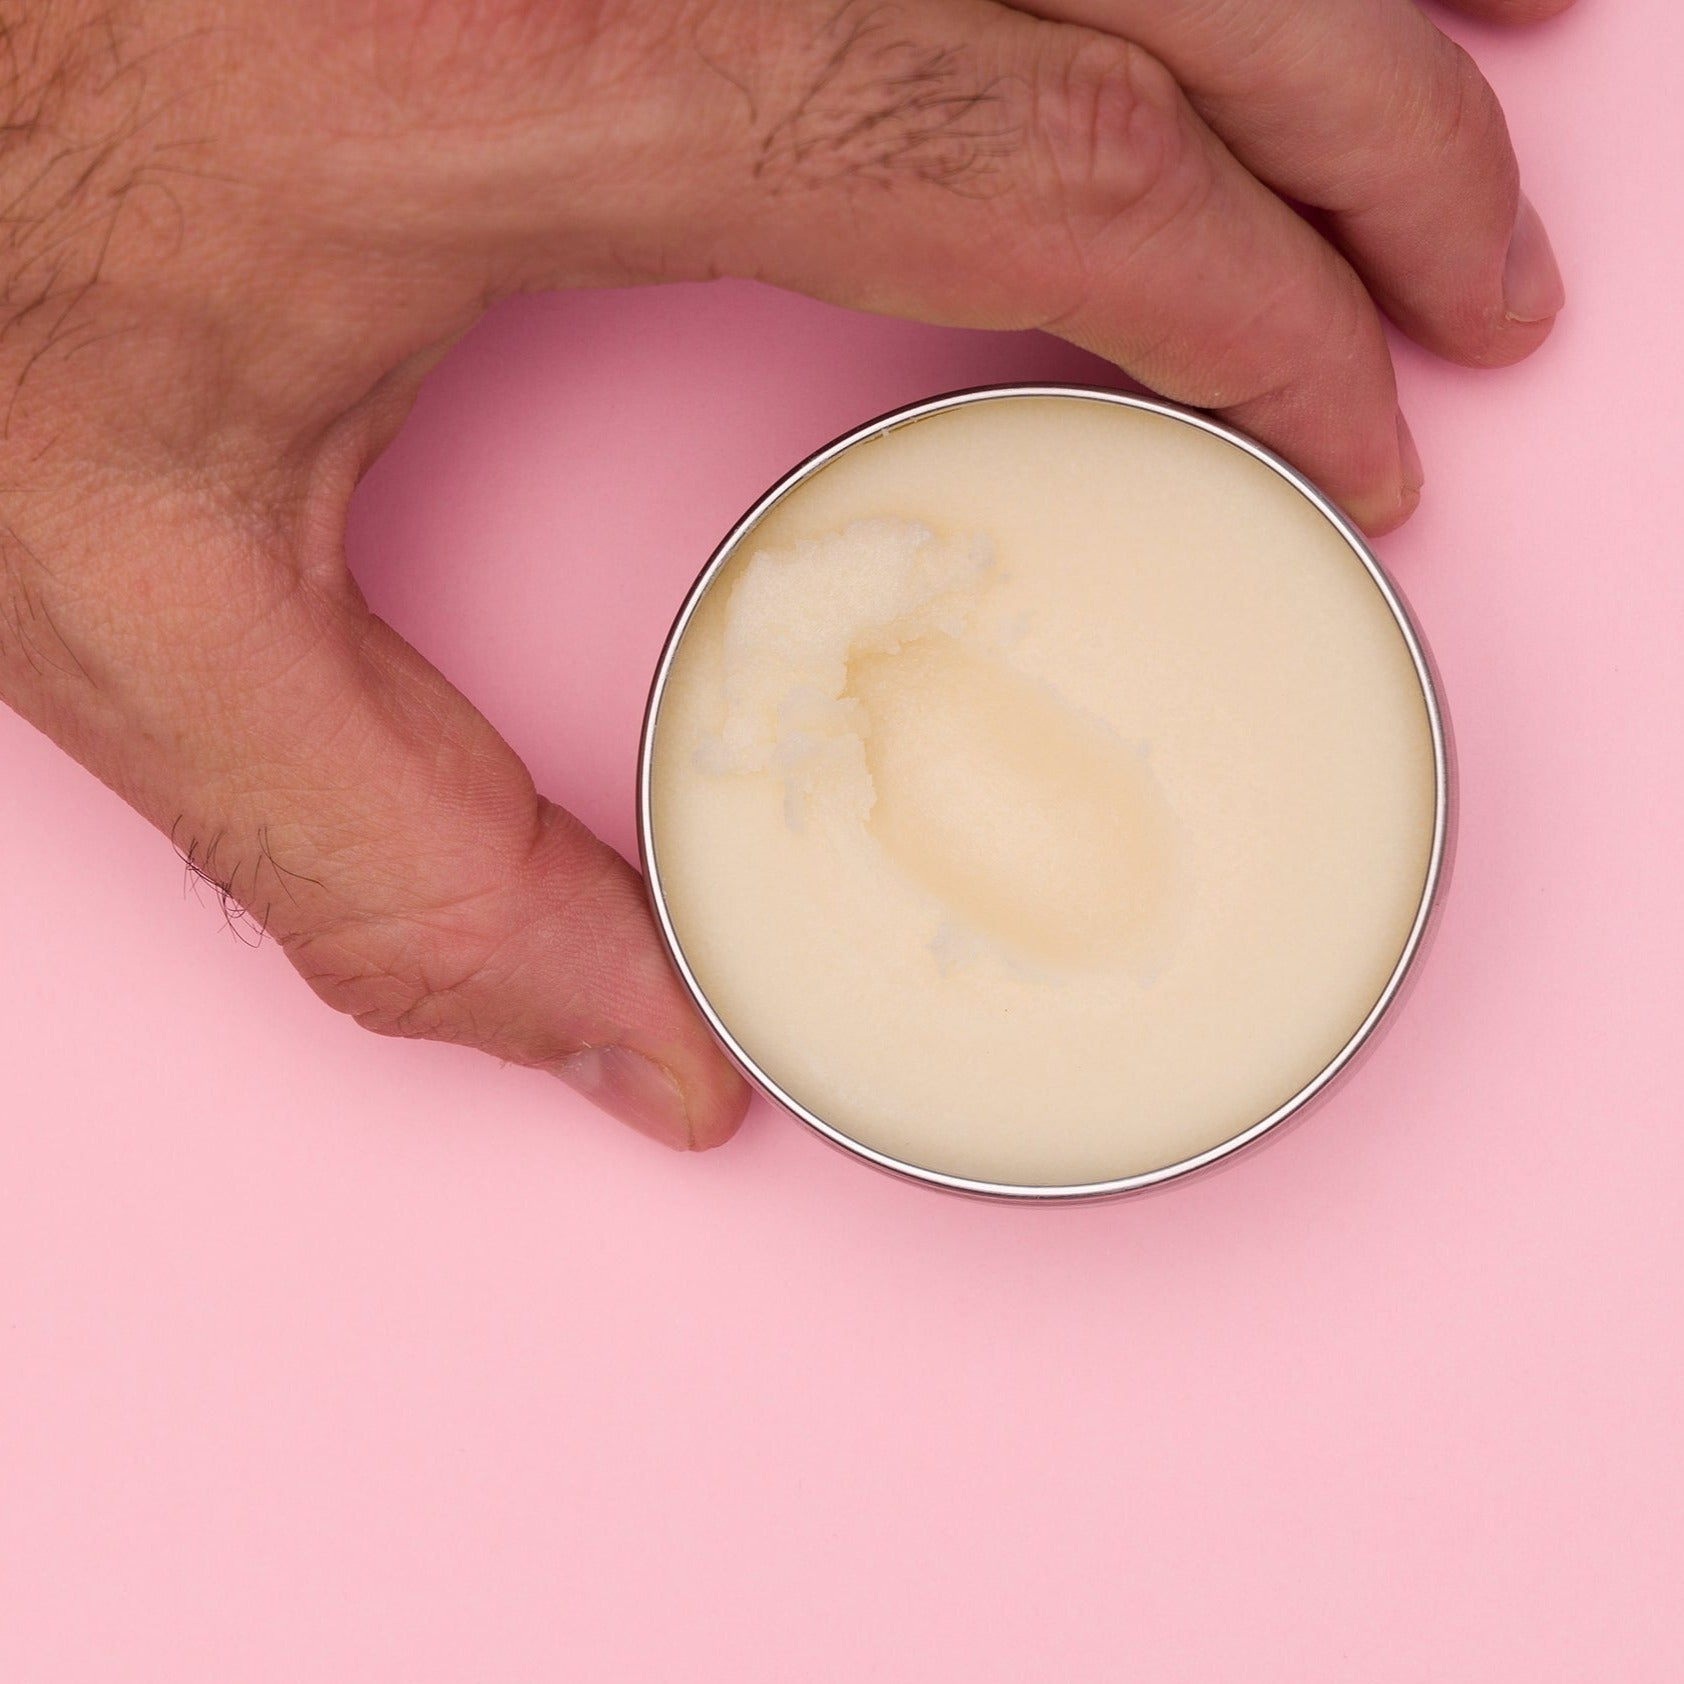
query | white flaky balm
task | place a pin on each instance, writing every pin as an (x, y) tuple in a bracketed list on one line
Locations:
[(1043, 791)]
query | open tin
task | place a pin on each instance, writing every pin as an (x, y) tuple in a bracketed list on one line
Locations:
[(1313, 1090)]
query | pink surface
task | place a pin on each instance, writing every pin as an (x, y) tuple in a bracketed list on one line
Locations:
[(325, 1358)]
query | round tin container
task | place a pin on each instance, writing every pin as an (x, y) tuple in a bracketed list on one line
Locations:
[(1313, 1090)]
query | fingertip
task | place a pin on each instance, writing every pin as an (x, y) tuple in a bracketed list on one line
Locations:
[(1494, 340), (717, 1106), (1397, 495), (688, 1099), (632, 1088), (1376, 516), (1410, 472), (1381, 517), (1533, 290), (1530, 297), (1513, 343)]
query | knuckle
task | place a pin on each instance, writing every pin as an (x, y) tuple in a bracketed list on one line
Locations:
[(1113, 132), (1260, 355), (1121, 167), (502, 962), (1458, 114), (415, 976)]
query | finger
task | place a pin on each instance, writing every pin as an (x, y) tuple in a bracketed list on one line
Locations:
[(326, 779), (1373, 116), (971, 165), (952, 160)]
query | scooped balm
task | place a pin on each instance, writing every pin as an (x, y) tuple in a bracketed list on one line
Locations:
[(1043, 792)]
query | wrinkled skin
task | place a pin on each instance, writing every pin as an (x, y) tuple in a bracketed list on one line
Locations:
[(237, 234)]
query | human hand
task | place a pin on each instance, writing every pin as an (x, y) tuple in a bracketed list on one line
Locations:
[(237, 234)]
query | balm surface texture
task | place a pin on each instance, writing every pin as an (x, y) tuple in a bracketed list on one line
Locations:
[(1043, 792)]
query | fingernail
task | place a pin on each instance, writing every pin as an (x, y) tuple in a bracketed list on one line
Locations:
[(633, 1088), (1409, 462), (1532, 289)]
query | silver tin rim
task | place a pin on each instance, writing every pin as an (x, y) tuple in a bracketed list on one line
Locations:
[(1361, 1041)]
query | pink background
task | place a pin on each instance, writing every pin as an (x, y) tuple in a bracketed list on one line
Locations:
[(329, 1358)]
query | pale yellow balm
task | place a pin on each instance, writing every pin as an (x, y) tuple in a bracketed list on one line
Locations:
[(1043, 792)]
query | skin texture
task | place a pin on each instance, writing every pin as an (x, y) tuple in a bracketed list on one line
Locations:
[(236, 235)]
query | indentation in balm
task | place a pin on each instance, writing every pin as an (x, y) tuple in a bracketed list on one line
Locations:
[(795, 620), (1037, 825), (854, 675)]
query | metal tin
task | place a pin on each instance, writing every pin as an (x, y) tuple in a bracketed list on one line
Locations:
[(1361, 1041)]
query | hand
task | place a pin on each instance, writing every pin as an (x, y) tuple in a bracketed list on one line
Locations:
[(236, 235)]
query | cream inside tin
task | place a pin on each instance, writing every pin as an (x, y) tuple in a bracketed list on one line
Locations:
[(1043, 792)]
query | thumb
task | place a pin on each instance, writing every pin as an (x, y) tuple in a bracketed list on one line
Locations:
[(330, 782), (480, 913)]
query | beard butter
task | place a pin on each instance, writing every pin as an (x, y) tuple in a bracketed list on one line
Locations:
[(1043, 789)]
